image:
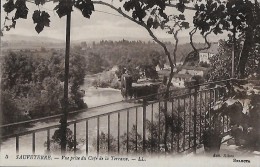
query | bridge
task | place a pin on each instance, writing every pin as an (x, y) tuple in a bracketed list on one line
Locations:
[(171, 125)]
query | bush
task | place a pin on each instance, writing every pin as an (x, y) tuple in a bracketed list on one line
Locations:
[(55, 141), (107, 79), (35, 84), (243, 108)]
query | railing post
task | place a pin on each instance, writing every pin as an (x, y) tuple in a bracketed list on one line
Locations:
[(108, 135), (195, 119), (98, 135), (159, 126), (144, 124), (127, 132), (178, 137), (136, 133), (33, 143), (75, 138), (63, 121), (118, 133), (86, 137), (17, 144), (48, 141)]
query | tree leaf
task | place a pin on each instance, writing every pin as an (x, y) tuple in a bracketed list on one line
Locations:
[(9, 6), (36, 16), (21, 13), (181, 17), (38, 2), (85, 6), (39, 27), (13, 23), (45, 19), (22, 9), (181, 7), (41, 18), (64, 7), (186, 25), (150, 22), (156, 24)]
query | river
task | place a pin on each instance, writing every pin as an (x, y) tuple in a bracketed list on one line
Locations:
[(93, 97)]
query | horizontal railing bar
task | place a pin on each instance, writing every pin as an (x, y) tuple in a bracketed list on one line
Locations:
[(105, 114), (92, 117), (180, 96), (204, 90), (31, 121), (30, 132), (87, 109), (69, 123)]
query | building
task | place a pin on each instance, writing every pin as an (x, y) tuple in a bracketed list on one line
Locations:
[(205, 55), (179, 80), (191, 70)]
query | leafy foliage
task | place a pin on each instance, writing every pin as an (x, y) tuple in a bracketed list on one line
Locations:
[(39, 2), (64, 7), (240, 18), (107, 79), (155, 132), (9, 6), (55, 141), (138, 67), (103, 143), (242, 107), (95, 63), (221, 63), (41, 18), (85, 6), (35, 83)]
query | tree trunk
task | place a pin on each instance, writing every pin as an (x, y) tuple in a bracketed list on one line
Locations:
[(245, 52)]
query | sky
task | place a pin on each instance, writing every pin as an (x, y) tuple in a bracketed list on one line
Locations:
[(101, 25)]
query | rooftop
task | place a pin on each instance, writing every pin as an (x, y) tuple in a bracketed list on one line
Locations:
[(197, 68), (185, 76)]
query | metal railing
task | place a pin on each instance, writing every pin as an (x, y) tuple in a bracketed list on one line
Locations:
[(171, 125)]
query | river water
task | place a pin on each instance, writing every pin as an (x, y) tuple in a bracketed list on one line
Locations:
[(93, 97)]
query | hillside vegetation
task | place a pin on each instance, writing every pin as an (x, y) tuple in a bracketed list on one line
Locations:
[(106, 54)]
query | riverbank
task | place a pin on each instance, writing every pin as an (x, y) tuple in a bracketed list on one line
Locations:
[(105, 79), (100, 96)]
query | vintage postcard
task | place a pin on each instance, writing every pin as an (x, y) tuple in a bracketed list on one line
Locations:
[(130, 83)]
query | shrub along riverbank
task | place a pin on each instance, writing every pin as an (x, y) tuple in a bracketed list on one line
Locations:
[(106, 79), (32, 84)]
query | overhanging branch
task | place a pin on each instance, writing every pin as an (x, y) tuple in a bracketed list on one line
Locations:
[(141, 23), (195, 50)]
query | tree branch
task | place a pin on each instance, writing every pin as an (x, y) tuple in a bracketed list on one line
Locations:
[(195, 50), (176, 45), (141, 23)]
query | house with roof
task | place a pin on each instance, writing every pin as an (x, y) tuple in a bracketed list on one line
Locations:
[(194, 70), (205, 55), (179, 80)]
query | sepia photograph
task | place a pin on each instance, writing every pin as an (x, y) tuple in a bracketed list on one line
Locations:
[(130, 83)]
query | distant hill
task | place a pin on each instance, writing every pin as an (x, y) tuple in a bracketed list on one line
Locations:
[(30, 42), (41, 39), (37, 39), (182, 39)]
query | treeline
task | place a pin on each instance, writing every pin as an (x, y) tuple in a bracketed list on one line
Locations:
[(106, 54), (32, 84)]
